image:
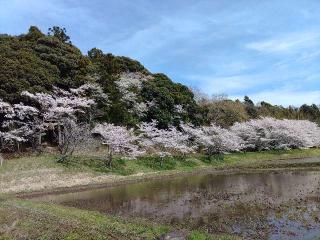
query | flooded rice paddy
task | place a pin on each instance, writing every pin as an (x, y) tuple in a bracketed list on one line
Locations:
[(261, 205)]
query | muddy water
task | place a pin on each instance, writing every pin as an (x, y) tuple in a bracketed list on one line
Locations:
[(264, 205)]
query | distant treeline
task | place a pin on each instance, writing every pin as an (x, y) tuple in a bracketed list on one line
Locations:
[(225, 112)]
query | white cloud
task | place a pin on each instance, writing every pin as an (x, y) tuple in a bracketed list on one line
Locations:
[(285, 98), (164, 34), (288, 43), (284, 89), (226, 84)]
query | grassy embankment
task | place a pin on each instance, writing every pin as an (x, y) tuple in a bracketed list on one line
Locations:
[(24, 219), (37, 173)]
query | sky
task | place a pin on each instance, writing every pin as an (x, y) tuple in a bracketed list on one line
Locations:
[(266, 49)]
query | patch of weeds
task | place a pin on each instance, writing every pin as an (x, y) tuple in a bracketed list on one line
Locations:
[(3, 197), (180, 158), (5, 238), (94, 163), (158, 163), (119, 166), (72, 236), (214, 159), (98, 164), (186, 162), (121, 161), (189, 163), (195, 235), (281, 151)]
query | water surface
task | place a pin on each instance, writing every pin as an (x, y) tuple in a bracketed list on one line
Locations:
[(268, 205)]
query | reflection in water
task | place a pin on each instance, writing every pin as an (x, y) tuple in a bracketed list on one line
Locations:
[(266, 205)]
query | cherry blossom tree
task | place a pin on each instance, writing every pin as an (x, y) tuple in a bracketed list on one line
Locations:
[(10, 139), (129, 85), (270, 133), (92, 90), (73, 136), (54, 108), (18, 124), (213, 139), (61, 109), (119, 140), (61, 112), (60, 104), (6, 114), (6, 110), (164, 141), (28, 124)]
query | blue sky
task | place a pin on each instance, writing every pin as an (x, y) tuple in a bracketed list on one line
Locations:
[(267, 49)]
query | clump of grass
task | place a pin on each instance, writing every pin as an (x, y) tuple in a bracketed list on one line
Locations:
[(120, 167), (98, 164), (85, 163), (197, 235), (158, 163), (188, 162), (214, 159)]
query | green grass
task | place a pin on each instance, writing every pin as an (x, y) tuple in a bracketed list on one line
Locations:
[(247, 159), (87, 163), (256, 159), (196, 235), (28, 163)]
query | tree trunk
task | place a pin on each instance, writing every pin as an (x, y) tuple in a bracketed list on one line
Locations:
[(109, 159), (161, 161), (18, 147), (40, 139), (59, 134)]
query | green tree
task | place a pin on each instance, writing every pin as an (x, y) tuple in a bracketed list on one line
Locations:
[(60, 33), (167, 95), (224, 113), (250, 107)]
